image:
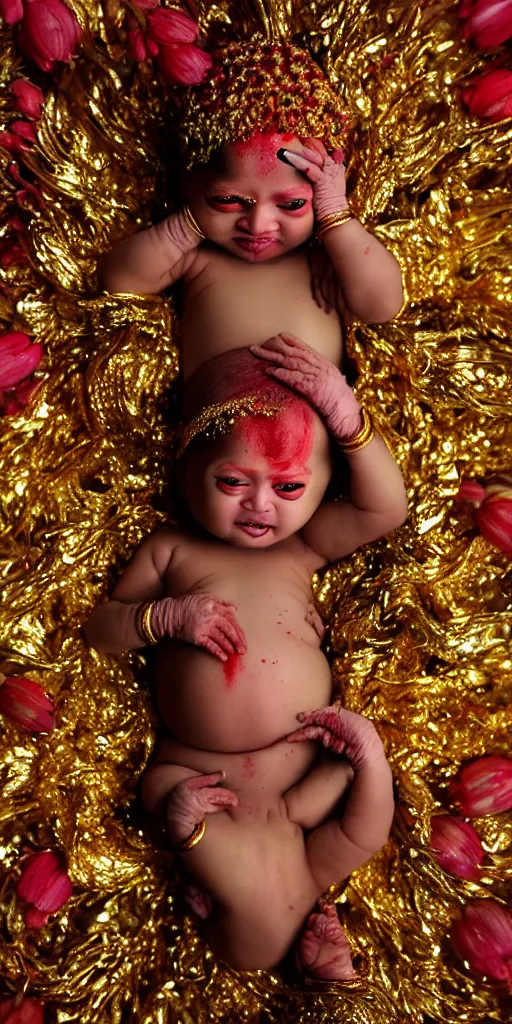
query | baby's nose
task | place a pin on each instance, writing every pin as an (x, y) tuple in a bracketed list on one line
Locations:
[(256, 502), (260, 220)]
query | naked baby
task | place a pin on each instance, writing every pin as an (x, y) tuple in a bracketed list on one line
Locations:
[(251, 805), (256, 185)]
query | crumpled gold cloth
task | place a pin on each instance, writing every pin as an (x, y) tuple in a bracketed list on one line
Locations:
[(419, 623)]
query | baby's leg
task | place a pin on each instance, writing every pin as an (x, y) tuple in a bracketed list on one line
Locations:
[(318, 794)]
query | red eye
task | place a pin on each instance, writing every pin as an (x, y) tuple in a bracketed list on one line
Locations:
[(224, 202), (228, 484), (290, 491)]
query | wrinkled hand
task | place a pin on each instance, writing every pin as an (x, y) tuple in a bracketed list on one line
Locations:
[(326, 174), (200, 619), (307, 372), (192, 799), (343, 732), (315, 620), (325, 284)]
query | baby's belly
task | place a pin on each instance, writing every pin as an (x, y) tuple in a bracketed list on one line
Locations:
[(248, 703)]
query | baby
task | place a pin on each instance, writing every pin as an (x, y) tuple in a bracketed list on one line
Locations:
[(253, 809), (240, 248)]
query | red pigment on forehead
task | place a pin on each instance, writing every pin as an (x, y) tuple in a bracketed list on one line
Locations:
[(285, 440), (263, 147), (231, 668)]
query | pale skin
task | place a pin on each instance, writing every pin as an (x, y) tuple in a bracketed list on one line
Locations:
[(253, 276), (276, 836)]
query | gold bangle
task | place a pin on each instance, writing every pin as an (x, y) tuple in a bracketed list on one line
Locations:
[(191, 222), (334, 220), (363, 436), (144, 622), (194, 838)]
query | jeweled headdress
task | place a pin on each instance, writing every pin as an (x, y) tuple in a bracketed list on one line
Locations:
[(261, 87)]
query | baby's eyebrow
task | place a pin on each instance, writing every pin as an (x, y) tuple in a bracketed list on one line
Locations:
[(295, 193)]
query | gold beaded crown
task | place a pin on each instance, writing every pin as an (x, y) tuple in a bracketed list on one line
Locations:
[(259, 87)]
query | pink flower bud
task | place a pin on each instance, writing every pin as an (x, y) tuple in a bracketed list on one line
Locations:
[(472, 491), (24, 129), (11, 11), (49, 32), (483, 937), (456, 846), (136, 44), (29, 98), (18, 358), (21, 1010), (17, 399), (490, 95), (484, 787), (13, 143), (488, 22), (166, 27), (183, 64), (24, 701), (44, 885), (495, 517)]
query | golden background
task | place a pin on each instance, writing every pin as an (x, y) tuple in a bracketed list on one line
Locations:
[(420, 623)]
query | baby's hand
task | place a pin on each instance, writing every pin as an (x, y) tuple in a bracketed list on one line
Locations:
[(200, 619), (326, 174), (307, 372), (343, 732)]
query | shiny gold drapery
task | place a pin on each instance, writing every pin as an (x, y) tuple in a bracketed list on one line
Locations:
[(420, 622)]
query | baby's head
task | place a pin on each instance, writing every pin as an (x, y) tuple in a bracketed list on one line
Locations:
[(251, 203), (260, 480)]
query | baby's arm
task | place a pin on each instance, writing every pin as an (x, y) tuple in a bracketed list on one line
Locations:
[(369, 275), (196, 618), (339, 846), (151, 260), (377, 502)]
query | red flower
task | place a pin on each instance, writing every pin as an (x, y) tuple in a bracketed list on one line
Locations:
[(11, 11), (17, 399), (20, 1010), (490, 95), (136, 42), (49, 32), (483, 937), (166, 27), (29, 98), (18, 358), (183, 64), (24, 129), (494, 510), (44, 885), (470, 490), (484, 787), (24, 701), (488, 22), (456, 846)]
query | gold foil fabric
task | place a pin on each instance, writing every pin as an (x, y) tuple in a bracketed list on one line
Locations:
[(419, 623)]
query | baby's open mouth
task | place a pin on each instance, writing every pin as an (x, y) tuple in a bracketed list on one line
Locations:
[(252, 527)]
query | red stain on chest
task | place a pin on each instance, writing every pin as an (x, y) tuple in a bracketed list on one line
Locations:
[(249, 769), (231, 668)]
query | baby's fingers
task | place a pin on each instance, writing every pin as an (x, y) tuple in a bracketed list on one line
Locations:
[(235, 634), (310, 732), (214, 648), (200, 781)]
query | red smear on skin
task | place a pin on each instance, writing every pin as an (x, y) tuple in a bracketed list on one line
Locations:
[(285, 441), (263, 147), (231, 668), (249, 769), (263, 661), (367, 250)]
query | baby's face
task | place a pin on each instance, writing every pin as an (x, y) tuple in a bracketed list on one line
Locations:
[(254, 205), (244, 495)]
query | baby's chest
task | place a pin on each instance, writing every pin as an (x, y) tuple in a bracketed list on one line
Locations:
[(234, 575)]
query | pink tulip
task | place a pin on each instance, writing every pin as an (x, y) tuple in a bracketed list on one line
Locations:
[(183, 64), (484, 787), (21, 1010), (483, 937), (11, 11), (24, 129), (24, 701), (18, 358), (136, 44), (44, 886), (488, 22), (49, 32), (166, 27), (470, 490), (17, 399), (13, 143), (490, 95), (29, 98), (456, 846), (495, 517)]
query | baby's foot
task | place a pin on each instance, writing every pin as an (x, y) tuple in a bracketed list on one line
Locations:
[(200, 900), (323, 949)]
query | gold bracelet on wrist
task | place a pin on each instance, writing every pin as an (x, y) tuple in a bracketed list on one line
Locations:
[(191, 222), (333, 220), (143, 622), (362, 438), (194, 838)]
